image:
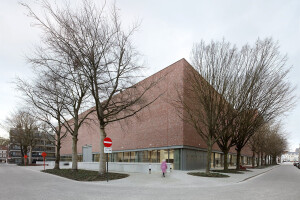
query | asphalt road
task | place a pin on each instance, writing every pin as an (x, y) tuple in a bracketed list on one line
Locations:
[(282, 182)]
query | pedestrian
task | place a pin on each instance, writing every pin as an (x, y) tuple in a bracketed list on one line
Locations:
[(164, 167)]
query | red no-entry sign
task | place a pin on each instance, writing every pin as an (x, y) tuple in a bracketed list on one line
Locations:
[(107, 142), (25, 156), (44, 154)]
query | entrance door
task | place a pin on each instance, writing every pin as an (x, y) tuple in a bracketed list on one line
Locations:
[(87, 155)]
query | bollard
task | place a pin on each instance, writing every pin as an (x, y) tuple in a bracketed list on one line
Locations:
[(149, 168)]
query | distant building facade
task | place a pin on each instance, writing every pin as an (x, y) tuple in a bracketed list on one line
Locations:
[(3, 153), (157, 134), (291, 156), (42, 143)]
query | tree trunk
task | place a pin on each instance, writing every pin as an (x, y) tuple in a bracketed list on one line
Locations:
[(30, 155), (262, 158), (57, 158), (102, 159), (74, 153), (22, 154), (274, 160), (238, 159), (266, 160), (208, 160), (253, 159), (258, 159), (225, 161)]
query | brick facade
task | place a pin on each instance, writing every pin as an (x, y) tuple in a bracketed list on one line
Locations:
[(158, 125)]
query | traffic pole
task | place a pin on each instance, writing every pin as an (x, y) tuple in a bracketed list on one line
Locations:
[(44, 163), (107, 167)]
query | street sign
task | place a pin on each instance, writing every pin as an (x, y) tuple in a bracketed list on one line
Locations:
[(107, 150), (25, 156), (44, 154), (107, 142)]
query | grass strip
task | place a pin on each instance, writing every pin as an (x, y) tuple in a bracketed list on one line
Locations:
[(203, 174), (84, 175), (229, 171)]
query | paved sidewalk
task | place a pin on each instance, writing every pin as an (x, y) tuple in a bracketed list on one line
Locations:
[(175, 179)]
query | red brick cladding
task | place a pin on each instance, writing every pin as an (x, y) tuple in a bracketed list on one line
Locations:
[(158, 125), (191, 137)]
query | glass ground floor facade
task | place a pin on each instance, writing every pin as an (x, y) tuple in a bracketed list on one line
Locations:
[(182, 158), (217, 160)]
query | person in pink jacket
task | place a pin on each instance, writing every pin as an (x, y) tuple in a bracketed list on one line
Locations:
[(164, 167)]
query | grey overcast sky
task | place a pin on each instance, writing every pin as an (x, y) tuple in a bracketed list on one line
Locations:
[(167, 33)]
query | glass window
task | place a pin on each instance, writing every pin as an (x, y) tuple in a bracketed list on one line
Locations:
[(126, 156), (114, 157), (79, 157), (212, 160), (177, 158), (218, 160), (234, 160), (153, 156), (120, 157), (96, 157), (171, 156), (163, 155), (143, 156), (134, 156)]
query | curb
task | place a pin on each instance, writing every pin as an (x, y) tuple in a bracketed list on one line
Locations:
[(258, 174)]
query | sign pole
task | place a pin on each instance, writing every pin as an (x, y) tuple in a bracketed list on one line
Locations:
[(107, 167), (25, 158), (44, 154), (107, 149)]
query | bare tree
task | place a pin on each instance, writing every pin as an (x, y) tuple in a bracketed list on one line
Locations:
[(23, 128), (76, 89), (46, 99), (232, 92), (266, 92), (73, 89), (4, 141), (275, 142), (256, 142), (210, 85), (95, 40)]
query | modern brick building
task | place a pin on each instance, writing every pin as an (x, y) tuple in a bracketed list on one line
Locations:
[(156, 133)]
